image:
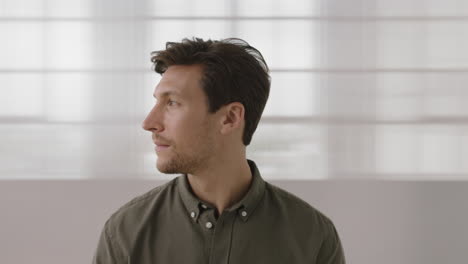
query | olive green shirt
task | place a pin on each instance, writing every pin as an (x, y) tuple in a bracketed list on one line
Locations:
[(169, 224)]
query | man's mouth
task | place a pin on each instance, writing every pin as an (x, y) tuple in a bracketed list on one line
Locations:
[(159, 148)]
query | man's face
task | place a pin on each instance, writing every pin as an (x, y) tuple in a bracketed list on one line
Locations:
[(182, 129)]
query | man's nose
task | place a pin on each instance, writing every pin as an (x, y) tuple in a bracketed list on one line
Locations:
[(153, 121)]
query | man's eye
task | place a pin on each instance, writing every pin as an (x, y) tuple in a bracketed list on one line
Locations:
[(171, 103)]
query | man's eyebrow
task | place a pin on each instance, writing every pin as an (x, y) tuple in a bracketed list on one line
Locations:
[(167, 93)]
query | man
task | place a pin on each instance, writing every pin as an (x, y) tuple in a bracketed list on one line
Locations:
[(219, 210)]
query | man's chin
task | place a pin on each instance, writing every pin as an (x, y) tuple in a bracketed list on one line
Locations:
[(166, 168)]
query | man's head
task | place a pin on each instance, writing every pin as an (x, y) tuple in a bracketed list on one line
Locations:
[(222, 89)]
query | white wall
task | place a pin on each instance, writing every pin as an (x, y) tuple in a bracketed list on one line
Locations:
[(384, 222)]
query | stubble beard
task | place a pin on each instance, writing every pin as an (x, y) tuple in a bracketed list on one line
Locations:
[(179, 163), (193, 160)]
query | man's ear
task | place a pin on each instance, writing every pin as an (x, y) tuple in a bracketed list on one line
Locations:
[(232, 117)]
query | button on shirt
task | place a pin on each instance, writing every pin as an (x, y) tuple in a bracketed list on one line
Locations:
[(169, 224)]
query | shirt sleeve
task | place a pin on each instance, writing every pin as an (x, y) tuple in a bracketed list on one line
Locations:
[(331, 251), (106, 251)]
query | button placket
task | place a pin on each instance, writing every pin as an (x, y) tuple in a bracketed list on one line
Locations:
[(207, 220), (222, 238)]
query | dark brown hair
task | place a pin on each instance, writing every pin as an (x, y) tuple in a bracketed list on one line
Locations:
[(233, 71)]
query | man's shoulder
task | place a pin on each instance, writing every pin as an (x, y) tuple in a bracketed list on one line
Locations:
[(296, 207), (141, 206), (312, 228)]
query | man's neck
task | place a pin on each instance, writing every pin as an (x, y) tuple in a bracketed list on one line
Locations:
[(222, 185)]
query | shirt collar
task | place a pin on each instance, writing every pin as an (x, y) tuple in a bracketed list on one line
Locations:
[(245, 206)]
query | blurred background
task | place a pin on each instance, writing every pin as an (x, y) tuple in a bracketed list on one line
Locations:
[(367, 116), (360, 89)]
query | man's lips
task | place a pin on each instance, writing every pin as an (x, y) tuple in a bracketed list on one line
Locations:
[(159, 148), (160, 144)]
